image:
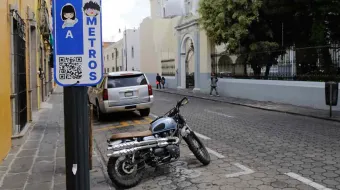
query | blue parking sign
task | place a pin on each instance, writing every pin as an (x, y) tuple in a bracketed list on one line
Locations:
[(77, 32)]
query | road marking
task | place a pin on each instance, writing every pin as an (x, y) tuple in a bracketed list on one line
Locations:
[(111, 127), (202, 136), (138, 122), (307, 181), (245, 171), (124, 123), (148, 119), (220, 114), (153, 115), (218, 155)]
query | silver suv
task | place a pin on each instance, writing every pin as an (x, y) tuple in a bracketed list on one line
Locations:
[(122, 91)]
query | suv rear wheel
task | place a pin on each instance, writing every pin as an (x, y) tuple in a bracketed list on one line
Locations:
[(144, 112)]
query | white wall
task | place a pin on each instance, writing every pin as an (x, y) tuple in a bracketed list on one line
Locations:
[(132, 42), (109, 60), (300, 93)]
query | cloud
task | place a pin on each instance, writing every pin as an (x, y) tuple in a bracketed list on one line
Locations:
[(118, 14)]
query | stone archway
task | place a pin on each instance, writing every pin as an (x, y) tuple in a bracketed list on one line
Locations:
[(188, 41), (187, 62)]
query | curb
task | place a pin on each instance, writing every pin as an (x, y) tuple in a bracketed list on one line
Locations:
[(27, 128), (250, 106)]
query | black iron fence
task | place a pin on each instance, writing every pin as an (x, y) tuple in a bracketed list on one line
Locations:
[(301, 64)]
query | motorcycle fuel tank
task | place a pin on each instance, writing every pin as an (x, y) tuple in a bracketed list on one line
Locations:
[(163, 124)]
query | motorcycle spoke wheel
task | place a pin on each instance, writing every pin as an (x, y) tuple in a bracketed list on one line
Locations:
[(197, 148), (124, 174)]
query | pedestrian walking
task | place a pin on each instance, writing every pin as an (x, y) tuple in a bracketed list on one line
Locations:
[(158, 81), (163, 81), (213, 85)]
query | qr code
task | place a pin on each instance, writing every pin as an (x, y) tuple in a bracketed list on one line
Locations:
[(70, 68)]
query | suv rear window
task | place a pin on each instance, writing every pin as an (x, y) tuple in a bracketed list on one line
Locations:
[(126, 81)]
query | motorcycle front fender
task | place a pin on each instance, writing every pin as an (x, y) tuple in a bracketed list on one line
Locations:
[(185, 131)]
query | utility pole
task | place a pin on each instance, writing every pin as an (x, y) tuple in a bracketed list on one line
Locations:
[(125, 49)]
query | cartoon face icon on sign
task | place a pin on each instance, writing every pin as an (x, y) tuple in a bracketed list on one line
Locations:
[(68, 15), (91, 9)]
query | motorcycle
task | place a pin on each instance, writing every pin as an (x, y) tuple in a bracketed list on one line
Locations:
[(130, 153)]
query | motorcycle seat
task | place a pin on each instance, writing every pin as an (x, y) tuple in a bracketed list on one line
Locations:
[(130, 135)]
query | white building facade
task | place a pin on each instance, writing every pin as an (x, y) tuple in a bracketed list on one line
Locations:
[(113, 57), (131, 50)]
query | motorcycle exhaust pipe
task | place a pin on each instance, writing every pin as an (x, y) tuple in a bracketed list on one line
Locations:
[(125, 152), (138, 144)]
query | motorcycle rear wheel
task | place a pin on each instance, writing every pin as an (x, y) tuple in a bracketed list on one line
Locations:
[(197, 148), (121, 173)]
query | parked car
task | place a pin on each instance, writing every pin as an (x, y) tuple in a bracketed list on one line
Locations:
[(120, 92)]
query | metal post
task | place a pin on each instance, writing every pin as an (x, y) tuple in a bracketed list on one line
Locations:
[(330, 100), (90, 136), (76, 138), (125, 51)]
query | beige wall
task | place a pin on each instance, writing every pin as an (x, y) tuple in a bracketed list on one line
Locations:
[(158, 42), (205, 53), (109, 61)]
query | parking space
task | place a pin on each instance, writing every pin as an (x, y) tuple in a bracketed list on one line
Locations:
[(188, 173)]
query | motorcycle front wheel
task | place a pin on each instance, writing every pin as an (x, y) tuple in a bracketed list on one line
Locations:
[(197, 148), (123, 173)]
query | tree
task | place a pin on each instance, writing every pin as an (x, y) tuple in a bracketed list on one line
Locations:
[(239, 25), (271, 26)]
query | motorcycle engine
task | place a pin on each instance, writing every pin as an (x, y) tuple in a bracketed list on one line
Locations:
[(166, 154)]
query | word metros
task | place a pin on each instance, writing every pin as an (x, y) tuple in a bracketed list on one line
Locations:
[(92, 10)]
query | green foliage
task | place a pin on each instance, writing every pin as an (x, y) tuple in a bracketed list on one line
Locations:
[(261, 30)]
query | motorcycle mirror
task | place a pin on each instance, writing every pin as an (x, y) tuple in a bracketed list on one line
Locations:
[(184, 101)]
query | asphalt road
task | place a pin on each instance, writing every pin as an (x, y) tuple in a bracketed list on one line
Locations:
[(250, 148)]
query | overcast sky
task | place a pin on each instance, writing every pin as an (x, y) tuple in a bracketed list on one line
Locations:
[(120, 13)]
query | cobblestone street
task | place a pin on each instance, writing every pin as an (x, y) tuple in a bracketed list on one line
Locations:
[(250, 149)]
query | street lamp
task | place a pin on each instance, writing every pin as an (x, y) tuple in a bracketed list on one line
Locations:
[(125, 52)]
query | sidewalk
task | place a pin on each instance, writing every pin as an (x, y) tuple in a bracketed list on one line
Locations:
[(270, 106), (37, 161)]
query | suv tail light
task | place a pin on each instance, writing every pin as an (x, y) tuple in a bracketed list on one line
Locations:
[(105, 94), (150, 89)]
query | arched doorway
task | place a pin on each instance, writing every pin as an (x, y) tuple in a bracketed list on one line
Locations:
[(187, 62)]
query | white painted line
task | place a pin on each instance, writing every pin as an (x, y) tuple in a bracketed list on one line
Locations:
[(153, 115), (220, 114), (202, 136), (218, 155), (307, 181), (245, 171)]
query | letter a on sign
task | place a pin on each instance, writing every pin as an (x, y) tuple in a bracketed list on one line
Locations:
[(69, 34)]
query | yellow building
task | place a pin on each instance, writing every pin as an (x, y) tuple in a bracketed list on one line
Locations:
[(24, 32)]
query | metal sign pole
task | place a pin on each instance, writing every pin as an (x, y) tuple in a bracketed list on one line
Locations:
[(76, 138), (78, 63), (330, 100)]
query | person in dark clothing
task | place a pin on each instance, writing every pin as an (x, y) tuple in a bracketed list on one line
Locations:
[(213, 85), (158, 81), (163, 81)]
